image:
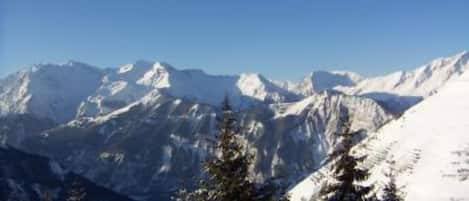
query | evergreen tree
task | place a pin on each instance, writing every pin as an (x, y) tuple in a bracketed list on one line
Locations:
[(228, 172), (345, 170), (77, 192), (391, 191)]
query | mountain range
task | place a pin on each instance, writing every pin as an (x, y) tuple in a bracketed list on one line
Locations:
[(143, 129)]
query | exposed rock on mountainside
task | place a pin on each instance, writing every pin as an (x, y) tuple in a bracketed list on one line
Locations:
[(154, 145)]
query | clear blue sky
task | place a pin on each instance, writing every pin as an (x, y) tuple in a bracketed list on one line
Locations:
[(280, 39)]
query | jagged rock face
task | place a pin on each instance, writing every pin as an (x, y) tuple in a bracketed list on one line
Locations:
[(152, 147), (28, 177)]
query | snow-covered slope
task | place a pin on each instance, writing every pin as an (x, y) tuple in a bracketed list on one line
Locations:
[(407, 86), (430, 143), (131, 82), (61, 92), (48, 90), (318, 81), (119, 87)]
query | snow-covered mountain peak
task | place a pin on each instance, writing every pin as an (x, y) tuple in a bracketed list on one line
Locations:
[(113, 88), (464, 55), (252, 81), (163, 66), (318, 81), (256, 86), (402, 89), (157, 76), (49, 90), (353, 76)]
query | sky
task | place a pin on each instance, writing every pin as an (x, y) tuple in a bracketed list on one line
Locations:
[(280, 39)]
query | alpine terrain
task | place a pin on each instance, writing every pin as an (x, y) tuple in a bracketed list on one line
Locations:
[(143, 129), (429, 143)]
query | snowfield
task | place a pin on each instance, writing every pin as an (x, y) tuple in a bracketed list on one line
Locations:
[(430, 144)]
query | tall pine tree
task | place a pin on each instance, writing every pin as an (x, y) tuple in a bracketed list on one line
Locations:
[(228, 171), (391, 191), (346, 173)]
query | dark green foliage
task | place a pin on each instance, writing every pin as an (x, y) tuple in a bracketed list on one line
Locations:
[(391, 191), (345, 170), (228, 172)]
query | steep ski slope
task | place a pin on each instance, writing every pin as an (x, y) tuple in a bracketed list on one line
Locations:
[(430, 143)]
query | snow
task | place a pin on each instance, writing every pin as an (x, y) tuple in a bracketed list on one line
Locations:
[(318, 81), (353, 76), (117, 87), (63, 92), (166, 159), (256, 86), (125, 69), (133, 82), (423, 81), (430, 144), (296, 108), (49, 90)]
